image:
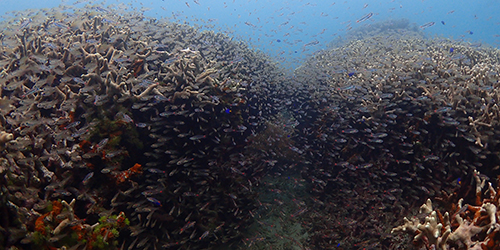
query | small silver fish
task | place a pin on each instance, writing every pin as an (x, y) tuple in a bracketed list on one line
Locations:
[(427, 25), (365, 17), (197, 137), (87, 178), (101, 144), (24, 24)]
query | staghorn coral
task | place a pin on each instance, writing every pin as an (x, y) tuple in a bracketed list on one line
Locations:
[(382, 114), (470, 227), (430, 231), (60, 227), (86, 103)]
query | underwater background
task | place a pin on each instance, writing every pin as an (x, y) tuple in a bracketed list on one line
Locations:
[(282, 28), (198, 124)]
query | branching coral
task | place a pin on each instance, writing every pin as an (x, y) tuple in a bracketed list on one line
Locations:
[(471, 226), (61, 227)]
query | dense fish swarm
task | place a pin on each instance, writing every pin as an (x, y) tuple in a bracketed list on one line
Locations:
[(120, 131), (387, 121), (124, 132)]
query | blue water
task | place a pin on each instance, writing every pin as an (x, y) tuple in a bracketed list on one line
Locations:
[(281, 29)]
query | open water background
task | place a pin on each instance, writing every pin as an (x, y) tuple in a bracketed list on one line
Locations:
[(283, 28)]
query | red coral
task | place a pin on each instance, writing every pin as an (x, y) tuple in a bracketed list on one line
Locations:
[(123, 176), (137, 169), (40, 224), (56, 207)]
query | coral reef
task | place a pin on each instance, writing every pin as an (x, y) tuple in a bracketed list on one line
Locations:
[(60, 227), (4, 138), (275, 141), (380, 115), (467, 226), (131, 115), (123, 131)]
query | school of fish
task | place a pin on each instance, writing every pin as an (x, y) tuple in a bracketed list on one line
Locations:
[(120, 131)]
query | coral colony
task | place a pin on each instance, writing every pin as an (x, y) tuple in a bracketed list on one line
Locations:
[(119, 131), (467, 226)]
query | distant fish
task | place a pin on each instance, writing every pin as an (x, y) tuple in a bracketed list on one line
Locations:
[(78, 80), (443, 22), (72, 125), (32, 91), (197, 137), (364, 18), (108, 20), (126, 118), (311, 43), (154, 201), (50, 45), (283, 24), (101, 144), (112, 154), (188, 225), (427, 25), (170, 60), (350, 131), (204, 235), (101, 9), (24, 24), (476, 45), (251, 24), (61, 25), (87, 178)]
